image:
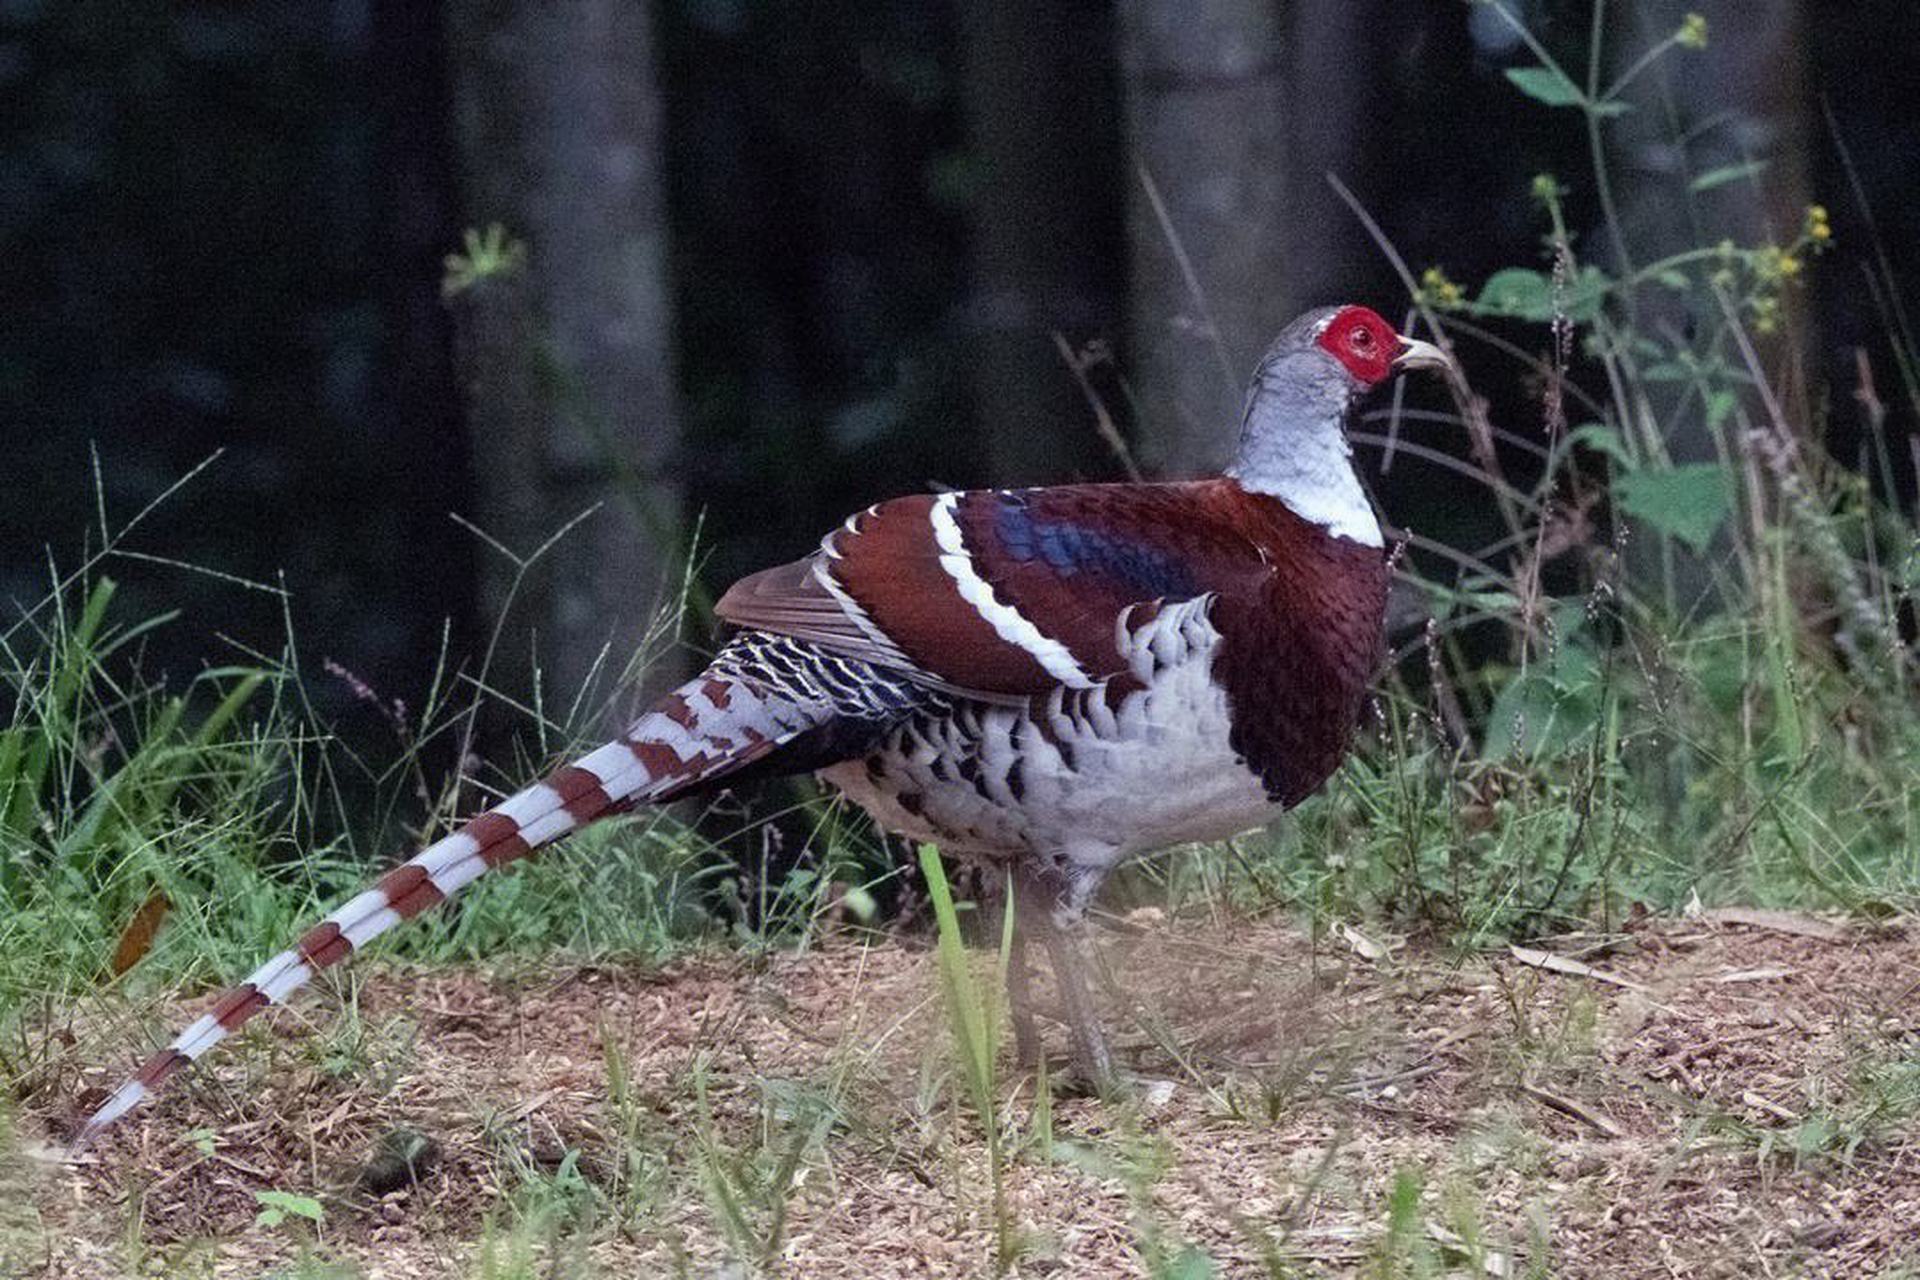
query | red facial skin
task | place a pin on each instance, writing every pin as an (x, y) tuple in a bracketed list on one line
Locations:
[(1362, 342)]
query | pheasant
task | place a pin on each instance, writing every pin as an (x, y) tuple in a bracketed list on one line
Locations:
[(1045, 681)]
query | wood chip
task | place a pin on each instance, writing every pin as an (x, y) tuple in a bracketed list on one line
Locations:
[(1793, 922), (253, 1171), (348, 1106), (1386, 1084), (1774, 1109), (1751, 975), (1572, 968)]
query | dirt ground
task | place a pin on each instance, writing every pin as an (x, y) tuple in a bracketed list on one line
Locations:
[(1731, 1095)]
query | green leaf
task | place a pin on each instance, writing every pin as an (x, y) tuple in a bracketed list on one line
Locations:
[(1725, 174), (1518, 292), (1191, 1264), (1485, 601), (1588, 291), (1547, 86), (1529, 295), (1555, 705), (277, 1206), (860, 903), (1604, 439), (1689, 502), (1813, 1135)]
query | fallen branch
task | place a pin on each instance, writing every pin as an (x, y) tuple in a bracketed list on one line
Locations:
[(1568, 1107)]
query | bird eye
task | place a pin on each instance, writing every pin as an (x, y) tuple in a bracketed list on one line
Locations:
[(1362, 338)]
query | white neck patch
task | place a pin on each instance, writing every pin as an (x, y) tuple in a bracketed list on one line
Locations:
[(1317, 483), (1308, 465)]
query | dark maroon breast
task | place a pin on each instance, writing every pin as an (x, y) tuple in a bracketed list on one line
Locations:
[(1298, 654)]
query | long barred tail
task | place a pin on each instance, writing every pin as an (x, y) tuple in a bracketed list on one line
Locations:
[(759, 695)]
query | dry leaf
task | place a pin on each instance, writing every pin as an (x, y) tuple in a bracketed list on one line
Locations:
[(1572, 968), (1360, 942), (1803, 926), (137, 938)]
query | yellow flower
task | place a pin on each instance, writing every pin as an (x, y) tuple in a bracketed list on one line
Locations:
[(1775, 263), (1693, 32), (1440, 291), (1818, 230), (1766, 315)]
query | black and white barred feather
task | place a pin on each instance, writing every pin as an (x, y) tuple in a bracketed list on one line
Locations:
[(766, 705)]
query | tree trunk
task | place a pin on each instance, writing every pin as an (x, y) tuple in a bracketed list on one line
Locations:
[(1337, 55), (1206, 108), (569, 365), (1740, 99), (414, 199), (1036, 107)]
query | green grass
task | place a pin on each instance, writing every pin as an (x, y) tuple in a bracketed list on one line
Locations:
[(231, 809), (973, 1017)]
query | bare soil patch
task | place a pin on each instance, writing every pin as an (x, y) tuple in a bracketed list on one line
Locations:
[(1688, 1098)]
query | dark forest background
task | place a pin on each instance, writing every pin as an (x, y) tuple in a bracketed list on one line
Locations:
[(780, 260)]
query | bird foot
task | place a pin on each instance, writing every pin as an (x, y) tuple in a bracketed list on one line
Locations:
[(1077, 1082), (1069, 1078)]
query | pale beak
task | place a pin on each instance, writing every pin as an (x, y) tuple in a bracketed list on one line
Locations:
[(1415, 354)]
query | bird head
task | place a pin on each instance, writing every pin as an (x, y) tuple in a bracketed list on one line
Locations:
[(1347, 350), (1293, 434)]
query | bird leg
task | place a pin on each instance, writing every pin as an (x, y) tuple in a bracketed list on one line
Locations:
[(1033, 910), (1090, 1052)]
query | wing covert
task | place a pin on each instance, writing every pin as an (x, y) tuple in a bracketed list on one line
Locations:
[(1003, 594)]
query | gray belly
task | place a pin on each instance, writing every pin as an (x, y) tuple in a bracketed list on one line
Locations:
[(1077, 778)]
